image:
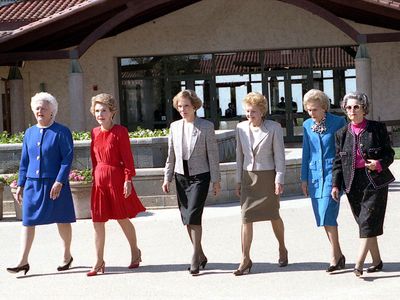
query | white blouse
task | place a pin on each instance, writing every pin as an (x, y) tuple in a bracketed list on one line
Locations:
[(186, 138), (255, 136)]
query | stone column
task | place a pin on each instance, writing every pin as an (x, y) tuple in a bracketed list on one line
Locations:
[(76, 97), (363, 75), (2, 92), (17, 105), (148, 105)]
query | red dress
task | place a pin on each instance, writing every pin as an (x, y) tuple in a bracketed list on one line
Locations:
[(113, 164)]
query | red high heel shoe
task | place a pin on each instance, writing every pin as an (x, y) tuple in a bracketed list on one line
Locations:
[(101, 269), (138, 260)]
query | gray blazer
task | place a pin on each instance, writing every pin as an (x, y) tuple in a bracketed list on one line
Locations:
[(269, 154), (203, 150)]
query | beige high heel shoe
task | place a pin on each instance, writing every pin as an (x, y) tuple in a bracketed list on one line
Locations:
[(245, 270), (135, 264)]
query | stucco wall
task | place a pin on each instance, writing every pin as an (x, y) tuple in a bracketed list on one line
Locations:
[(385, 69), (211, 26)]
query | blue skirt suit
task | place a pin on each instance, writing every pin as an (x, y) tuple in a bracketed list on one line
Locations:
[(46, 157), (316, 168)]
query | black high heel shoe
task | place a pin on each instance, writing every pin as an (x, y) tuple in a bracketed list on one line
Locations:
[(358, 272), (283, 261), (245, 270), (204, 262), (341, 264), (373, 269), (194, 270), (66, 266), (24, 268)]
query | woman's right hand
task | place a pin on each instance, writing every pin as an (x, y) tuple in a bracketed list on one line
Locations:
[(304, 187), (335, 193), (165, 187), (18, 194), (237, 189)]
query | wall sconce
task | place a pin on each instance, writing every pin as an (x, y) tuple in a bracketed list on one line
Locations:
[(42, 87)]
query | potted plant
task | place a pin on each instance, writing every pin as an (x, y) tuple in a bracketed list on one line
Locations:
[(11, 181), (81, 187), (1, 197)]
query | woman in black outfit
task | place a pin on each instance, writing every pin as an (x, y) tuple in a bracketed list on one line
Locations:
[(361, 168)]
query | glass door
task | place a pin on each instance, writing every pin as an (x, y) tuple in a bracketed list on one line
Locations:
[(204, 88), (285, 90)]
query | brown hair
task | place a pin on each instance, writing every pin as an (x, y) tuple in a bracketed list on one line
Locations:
[(188, 94), (105, 99)]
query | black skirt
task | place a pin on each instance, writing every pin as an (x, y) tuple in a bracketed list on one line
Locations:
[(191, 192), (367, 204)]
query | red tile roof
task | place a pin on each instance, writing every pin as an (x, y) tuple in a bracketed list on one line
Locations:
[(388, 3), (33, 10)]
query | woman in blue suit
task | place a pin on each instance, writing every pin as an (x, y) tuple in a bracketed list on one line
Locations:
[(47, 153), (316, 169)]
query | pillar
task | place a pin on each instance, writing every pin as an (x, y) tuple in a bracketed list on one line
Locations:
[(363, 75), (76, 97), (2, 92), (17, 105)]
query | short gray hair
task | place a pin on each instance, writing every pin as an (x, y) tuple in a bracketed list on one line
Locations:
[(358, 96), (43, 96)]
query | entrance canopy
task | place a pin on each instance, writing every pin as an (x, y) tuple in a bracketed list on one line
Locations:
[(48, 29)]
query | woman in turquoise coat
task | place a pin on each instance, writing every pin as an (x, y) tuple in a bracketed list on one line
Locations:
[(316, 169)]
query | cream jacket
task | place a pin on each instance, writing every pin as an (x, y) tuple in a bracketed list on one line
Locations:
[(268, 154)]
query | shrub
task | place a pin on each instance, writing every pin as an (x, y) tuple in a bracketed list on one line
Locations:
[(10, 179), (7, 138), (84, 176)]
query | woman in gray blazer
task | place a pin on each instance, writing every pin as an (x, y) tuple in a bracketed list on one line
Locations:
[(193, 158), (260, 157)]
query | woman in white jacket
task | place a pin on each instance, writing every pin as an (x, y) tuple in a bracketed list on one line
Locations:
[(260, 157)]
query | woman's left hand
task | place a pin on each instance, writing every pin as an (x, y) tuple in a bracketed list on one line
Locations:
[(55, 190), (127, 188), (278, 189), (371, 164), (216, 188)]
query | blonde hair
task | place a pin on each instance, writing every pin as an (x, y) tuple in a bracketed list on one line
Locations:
[(105, 99), (316, 96), (49, 98), (257, 99), (188, 94)]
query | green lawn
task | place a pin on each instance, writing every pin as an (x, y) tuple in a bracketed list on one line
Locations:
[(397, 152)]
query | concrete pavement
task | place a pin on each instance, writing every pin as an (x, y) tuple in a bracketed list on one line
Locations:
[(166, 253)]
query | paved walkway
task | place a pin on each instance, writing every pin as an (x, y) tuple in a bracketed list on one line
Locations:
[(166, 253)]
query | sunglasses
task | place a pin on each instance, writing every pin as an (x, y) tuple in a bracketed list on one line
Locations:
[(355, 107)]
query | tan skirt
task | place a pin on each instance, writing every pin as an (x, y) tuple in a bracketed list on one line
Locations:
[(258, 199)]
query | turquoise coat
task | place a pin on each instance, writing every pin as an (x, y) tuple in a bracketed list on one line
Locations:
[(318, 156)]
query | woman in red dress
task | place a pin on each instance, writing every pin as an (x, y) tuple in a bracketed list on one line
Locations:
[(113, 194)]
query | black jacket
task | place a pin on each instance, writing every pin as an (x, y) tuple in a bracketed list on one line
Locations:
[(374, 143)]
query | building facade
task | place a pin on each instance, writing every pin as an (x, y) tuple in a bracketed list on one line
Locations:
[(223, 49)]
